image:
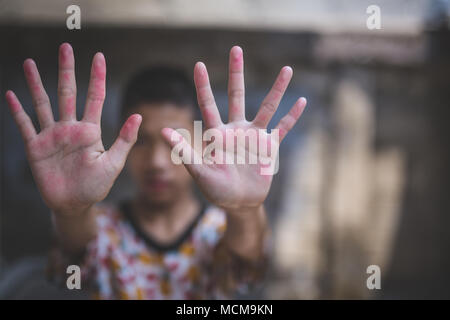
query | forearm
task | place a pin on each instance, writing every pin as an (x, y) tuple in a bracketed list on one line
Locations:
[(246, 232), (75, 230)]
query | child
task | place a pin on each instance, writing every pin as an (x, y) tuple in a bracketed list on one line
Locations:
[(163, 243)]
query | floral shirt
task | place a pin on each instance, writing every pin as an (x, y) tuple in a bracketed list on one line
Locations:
[(122, 262)]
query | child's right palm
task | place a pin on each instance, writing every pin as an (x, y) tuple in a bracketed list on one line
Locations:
[(68, 160)]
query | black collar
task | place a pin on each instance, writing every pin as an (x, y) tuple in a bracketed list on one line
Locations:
[(154, 244)]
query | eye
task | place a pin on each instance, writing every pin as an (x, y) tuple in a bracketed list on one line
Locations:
[(145, 141), (140, 141)]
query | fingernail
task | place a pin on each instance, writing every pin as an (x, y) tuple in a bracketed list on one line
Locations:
[(304, 100), (237, 52)]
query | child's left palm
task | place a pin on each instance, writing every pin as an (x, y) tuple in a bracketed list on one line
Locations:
[(236, 185)]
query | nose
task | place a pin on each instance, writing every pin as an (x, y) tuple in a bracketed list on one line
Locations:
[(159, 157)]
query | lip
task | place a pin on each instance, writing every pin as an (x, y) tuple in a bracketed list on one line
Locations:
[(157, 184)]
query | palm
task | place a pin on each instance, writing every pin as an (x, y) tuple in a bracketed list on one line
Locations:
[(235, 184), (67, 158), (232, 185), (68, 165)]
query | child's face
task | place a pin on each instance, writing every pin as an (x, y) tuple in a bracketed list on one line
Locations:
[(158, 179)]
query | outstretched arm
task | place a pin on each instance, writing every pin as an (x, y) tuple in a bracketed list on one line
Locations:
[(70, 165), (238, 188)]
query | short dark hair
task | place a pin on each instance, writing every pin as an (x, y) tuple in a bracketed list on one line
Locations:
[(159, 84)]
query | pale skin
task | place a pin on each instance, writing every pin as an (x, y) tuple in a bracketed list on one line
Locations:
[(73, 171)]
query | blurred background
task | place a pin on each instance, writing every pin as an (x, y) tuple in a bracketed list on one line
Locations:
[(363, 176)]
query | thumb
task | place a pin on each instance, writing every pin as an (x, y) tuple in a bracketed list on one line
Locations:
[(127, 137), (182, 152)]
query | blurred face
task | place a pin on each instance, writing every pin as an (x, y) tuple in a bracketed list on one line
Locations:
[(158, 179)]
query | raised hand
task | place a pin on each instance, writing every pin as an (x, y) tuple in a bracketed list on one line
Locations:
[(69, 163), (236, 186)]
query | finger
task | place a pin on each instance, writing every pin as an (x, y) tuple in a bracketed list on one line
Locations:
[(236, 86), (96, 90), (289, 120), (127, 138), (189, 157), (270, 103), (40, 98), (67, 88), (205, 97), (23, 121)]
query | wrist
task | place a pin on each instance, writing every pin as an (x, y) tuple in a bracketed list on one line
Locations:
[(246, 219), (244, 211), (74, 228), (246, 231)]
